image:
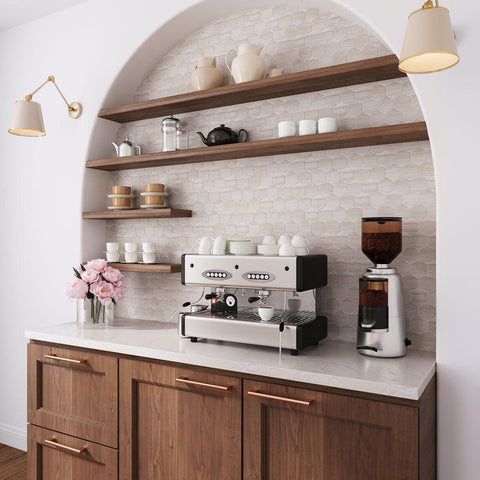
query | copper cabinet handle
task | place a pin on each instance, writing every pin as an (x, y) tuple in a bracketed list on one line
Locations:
[(53, 442), (223, 388), (53, 356), (257, 393)]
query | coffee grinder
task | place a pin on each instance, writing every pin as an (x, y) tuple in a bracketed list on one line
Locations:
[(381, 328)]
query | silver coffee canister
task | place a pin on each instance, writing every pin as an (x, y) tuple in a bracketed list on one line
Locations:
[(170, 127)]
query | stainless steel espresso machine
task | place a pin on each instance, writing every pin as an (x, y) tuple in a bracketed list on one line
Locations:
[(381, 328), (226, 321)]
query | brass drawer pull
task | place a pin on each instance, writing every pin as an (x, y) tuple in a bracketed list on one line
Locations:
[(53, 356), (53, 442), (223, 388), (257, 393)]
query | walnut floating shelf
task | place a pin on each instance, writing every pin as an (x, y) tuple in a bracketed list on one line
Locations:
[(404, 132), (336, 76), (148, 268), (130, 214)]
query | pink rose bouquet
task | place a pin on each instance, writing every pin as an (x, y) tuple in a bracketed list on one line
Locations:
[(100, 284)]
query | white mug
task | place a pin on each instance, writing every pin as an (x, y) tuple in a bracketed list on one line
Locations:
[(327, 125), (307, 127), (112, 246), (264, 312), (130, 247), (113, 256), (286, 250), (149, 257), (131, 257), (148, 247), (286, 129), (205, 247)]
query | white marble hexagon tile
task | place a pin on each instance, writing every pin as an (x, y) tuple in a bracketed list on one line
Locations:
[(322, 195)]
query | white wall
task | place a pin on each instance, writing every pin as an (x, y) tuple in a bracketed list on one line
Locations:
[(86, 47)]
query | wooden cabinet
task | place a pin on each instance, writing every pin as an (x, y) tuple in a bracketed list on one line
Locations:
[(297, 434), (53, 456), (74, 392), (178, 424)]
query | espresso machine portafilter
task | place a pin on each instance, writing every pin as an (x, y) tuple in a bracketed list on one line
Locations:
[(226, 321), (381, 330)]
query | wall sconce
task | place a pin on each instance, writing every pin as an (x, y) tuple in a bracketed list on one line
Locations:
[(27, 120), (429, 44)]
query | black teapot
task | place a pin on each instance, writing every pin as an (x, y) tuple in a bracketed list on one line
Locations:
[(223, 135)]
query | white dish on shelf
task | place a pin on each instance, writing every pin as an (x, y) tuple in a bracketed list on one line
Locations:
[(154, 194), (120, 195), (154, 206), (111, 207)]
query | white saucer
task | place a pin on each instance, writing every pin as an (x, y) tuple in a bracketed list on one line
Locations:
[(120, 195), (154, 206), (120, 208), (154, 194)]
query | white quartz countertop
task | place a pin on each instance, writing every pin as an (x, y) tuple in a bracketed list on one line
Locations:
[(331, 363)]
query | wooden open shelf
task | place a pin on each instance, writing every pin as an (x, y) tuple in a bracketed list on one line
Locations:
[(130, 214), (336, 76), (148, 268), (405, 132)]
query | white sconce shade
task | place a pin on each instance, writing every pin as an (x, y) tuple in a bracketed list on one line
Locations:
[(27, 120), (429, 44)]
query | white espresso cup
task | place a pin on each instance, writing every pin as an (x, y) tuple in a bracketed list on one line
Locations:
[(113, 256), (205, 247), (307, 127), (148, 247), (149, 257), (327, 125), (286, 250), (131, 257), (112, 246), (130, 247), (299, 241), (265, 312), (286, 129)]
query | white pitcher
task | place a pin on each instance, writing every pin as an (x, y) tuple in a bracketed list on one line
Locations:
[(248, 65), (206, 75)]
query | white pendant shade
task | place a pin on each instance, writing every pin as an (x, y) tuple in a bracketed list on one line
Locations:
[(429, 44), (27, 119)]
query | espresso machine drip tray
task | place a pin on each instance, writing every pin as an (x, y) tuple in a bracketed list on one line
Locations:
[(300, 329)]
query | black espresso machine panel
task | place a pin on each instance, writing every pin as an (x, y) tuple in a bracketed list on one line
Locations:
[(298, 274)]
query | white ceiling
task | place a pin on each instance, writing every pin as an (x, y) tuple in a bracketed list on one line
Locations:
[(16, 12)]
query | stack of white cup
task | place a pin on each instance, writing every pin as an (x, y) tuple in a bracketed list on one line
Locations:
[(288, 128)]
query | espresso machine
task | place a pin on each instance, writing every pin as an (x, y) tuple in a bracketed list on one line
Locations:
[(381, 330), (226, 321)]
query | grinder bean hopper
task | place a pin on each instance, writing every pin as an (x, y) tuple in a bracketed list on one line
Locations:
[(381, 330)]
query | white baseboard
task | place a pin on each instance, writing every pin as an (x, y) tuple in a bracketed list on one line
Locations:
[(13, 437)]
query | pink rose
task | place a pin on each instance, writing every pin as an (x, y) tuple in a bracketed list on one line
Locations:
[(104, 291), (99, 265), (118, 294), (90, 276), (77, 289), (112, 275), (93, 286)]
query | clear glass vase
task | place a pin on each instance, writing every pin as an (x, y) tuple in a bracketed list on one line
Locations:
[(92, 314)]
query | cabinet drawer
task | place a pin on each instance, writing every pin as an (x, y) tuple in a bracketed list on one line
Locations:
[(53, 455), (74, 392)]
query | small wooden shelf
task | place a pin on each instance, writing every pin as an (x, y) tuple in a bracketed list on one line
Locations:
[(130, 214), (405, 132), (336, 76), (148, 268)]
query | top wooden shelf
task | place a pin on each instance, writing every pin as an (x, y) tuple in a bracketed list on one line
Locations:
[(353, 73)]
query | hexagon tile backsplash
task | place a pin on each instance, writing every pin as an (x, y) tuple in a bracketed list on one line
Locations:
[(322, 195)]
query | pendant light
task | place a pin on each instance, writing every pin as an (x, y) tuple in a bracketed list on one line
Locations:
[(429, 44), (27, 120)]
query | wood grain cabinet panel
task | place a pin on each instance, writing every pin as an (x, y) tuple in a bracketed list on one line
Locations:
[(54, 456), (178, 424), (74, 392), (297, 434)]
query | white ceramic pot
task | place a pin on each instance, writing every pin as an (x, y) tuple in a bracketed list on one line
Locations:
[(248, 65), (206, 75)]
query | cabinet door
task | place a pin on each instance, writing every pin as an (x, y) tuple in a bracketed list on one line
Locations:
[(74, 392), (178, 424), (292, 433), (53, 456)]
